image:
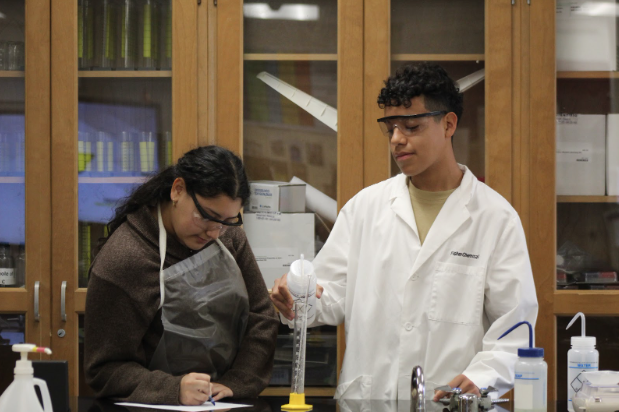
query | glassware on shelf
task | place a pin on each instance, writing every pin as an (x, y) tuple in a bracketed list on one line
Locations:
[(105, 35), (15, 55), (20, 268), (127, 39), (103, 153), (5, 157), (86, 34), (3, 55), (84, 253), (127, 153), (147, 152), (148, 35), (84, 152), (7, 267), (165, 61), (166, 149)]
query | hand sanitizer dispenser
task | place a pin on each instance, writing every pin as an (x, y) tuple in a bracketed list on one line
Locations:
[(20, 396)]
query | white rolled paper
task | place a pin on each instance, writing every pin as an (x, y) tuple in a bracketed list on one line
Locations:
[(318, 202)]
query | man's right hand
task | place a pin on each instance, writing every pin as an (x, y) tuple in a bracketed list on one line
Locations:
[(195, 389), (282, 299)]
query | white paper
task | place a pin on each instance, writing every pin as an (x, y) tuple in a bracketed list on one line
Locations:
[(318, 202), (205, 407)]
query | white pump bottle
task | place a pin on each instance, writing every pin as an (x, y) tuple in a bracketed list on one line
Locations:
[(583, 357), (20, 396)]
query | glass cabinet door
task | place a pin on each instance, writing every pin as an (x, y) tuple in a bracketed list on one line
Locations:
[(24, 185), (587, 179), (127, 93), (290, 87), (451, 34)]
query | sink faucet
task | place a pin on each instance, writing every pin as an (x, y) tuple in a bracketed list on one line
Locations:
[(418, 390)]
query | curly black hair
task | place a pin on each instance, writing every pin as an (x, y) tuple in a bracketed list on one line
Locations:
[(428, 80)]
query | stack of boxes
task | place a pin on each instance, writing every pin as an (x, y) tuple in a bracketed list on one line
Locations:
[(277, 227), (587, 155), (587, 144)]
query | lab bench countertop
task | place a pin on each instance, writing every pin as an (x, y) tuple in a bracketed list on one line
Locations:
[(273, 404)]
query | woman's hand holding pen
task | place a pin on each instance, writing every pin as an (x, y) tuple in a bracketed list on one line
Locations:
[(282, 299), (196, 388)]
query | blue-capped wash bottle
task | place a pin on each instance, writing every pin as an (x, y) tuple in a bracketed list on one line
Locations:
[(531, 376)]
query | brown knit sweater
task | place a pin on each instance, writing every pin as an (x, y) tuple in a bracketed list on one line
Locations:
[(123, 325)]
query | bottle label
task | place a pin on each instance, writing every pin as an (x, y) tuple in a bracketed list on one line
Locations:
[(7, 276), (574, 378)]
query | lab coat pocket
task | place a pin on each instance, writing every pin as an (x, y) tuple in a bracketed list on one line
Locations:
[(358, 388), (457, 294)]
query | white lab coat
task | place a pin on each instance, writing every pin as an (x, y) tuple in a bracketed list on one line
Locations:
[(441, 305)]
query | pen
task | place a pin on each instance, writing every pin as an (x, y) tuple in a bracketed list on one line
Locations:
[(210, 398)]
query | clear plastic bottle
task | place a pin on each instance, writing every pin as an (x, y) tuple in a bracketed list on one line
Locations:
[(302, 271), (530, 386), (582, 357), (7, 267)]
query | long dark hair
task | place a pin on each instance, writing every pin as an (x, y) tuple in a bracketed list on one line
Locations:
[(208, 171)]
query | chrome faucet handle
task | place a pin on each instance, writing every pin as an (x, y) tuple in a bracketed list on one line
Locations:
[(418, 390)]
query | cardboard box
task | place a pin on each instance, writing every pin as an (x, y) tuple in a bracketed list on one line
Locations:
[(581, 154), (612, 155), (278, 239), (586, 35), (269, 196)]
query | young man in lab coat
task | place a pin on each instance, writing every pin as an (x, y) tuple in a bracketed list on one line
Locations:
[(427, 268)]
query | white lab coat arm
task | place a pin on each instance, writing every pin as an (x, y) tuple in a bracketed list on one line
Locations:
[(509, 298), (331, 267)]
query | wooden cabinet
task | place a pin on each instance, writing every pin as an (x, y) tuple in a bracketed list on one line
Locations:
[(338, 51), (115, 101), (570, 220), (341, 52)]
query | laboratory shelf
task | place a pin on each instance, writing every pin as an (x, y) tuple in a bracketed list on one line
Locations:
[(587, 199), (438, 57), (588, 75), (591, 302), (12, 73), (290, 56), (112, 179), (124, 73)]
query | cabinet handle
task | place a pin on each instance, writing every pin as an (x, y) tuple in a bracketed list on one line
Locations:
[(63, 297), (37, 315)]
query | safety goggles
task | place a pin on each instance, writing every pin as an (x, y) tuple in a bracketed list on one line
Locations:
[(407, 124), (207, 222)]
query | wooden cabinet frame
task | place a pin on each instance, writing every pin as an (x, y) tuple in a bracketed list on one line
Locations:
[(64, 125)]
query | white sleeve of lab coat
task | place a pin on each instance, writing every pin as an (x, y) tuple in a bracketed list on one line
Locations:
[(331, 267), (509, 298)]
